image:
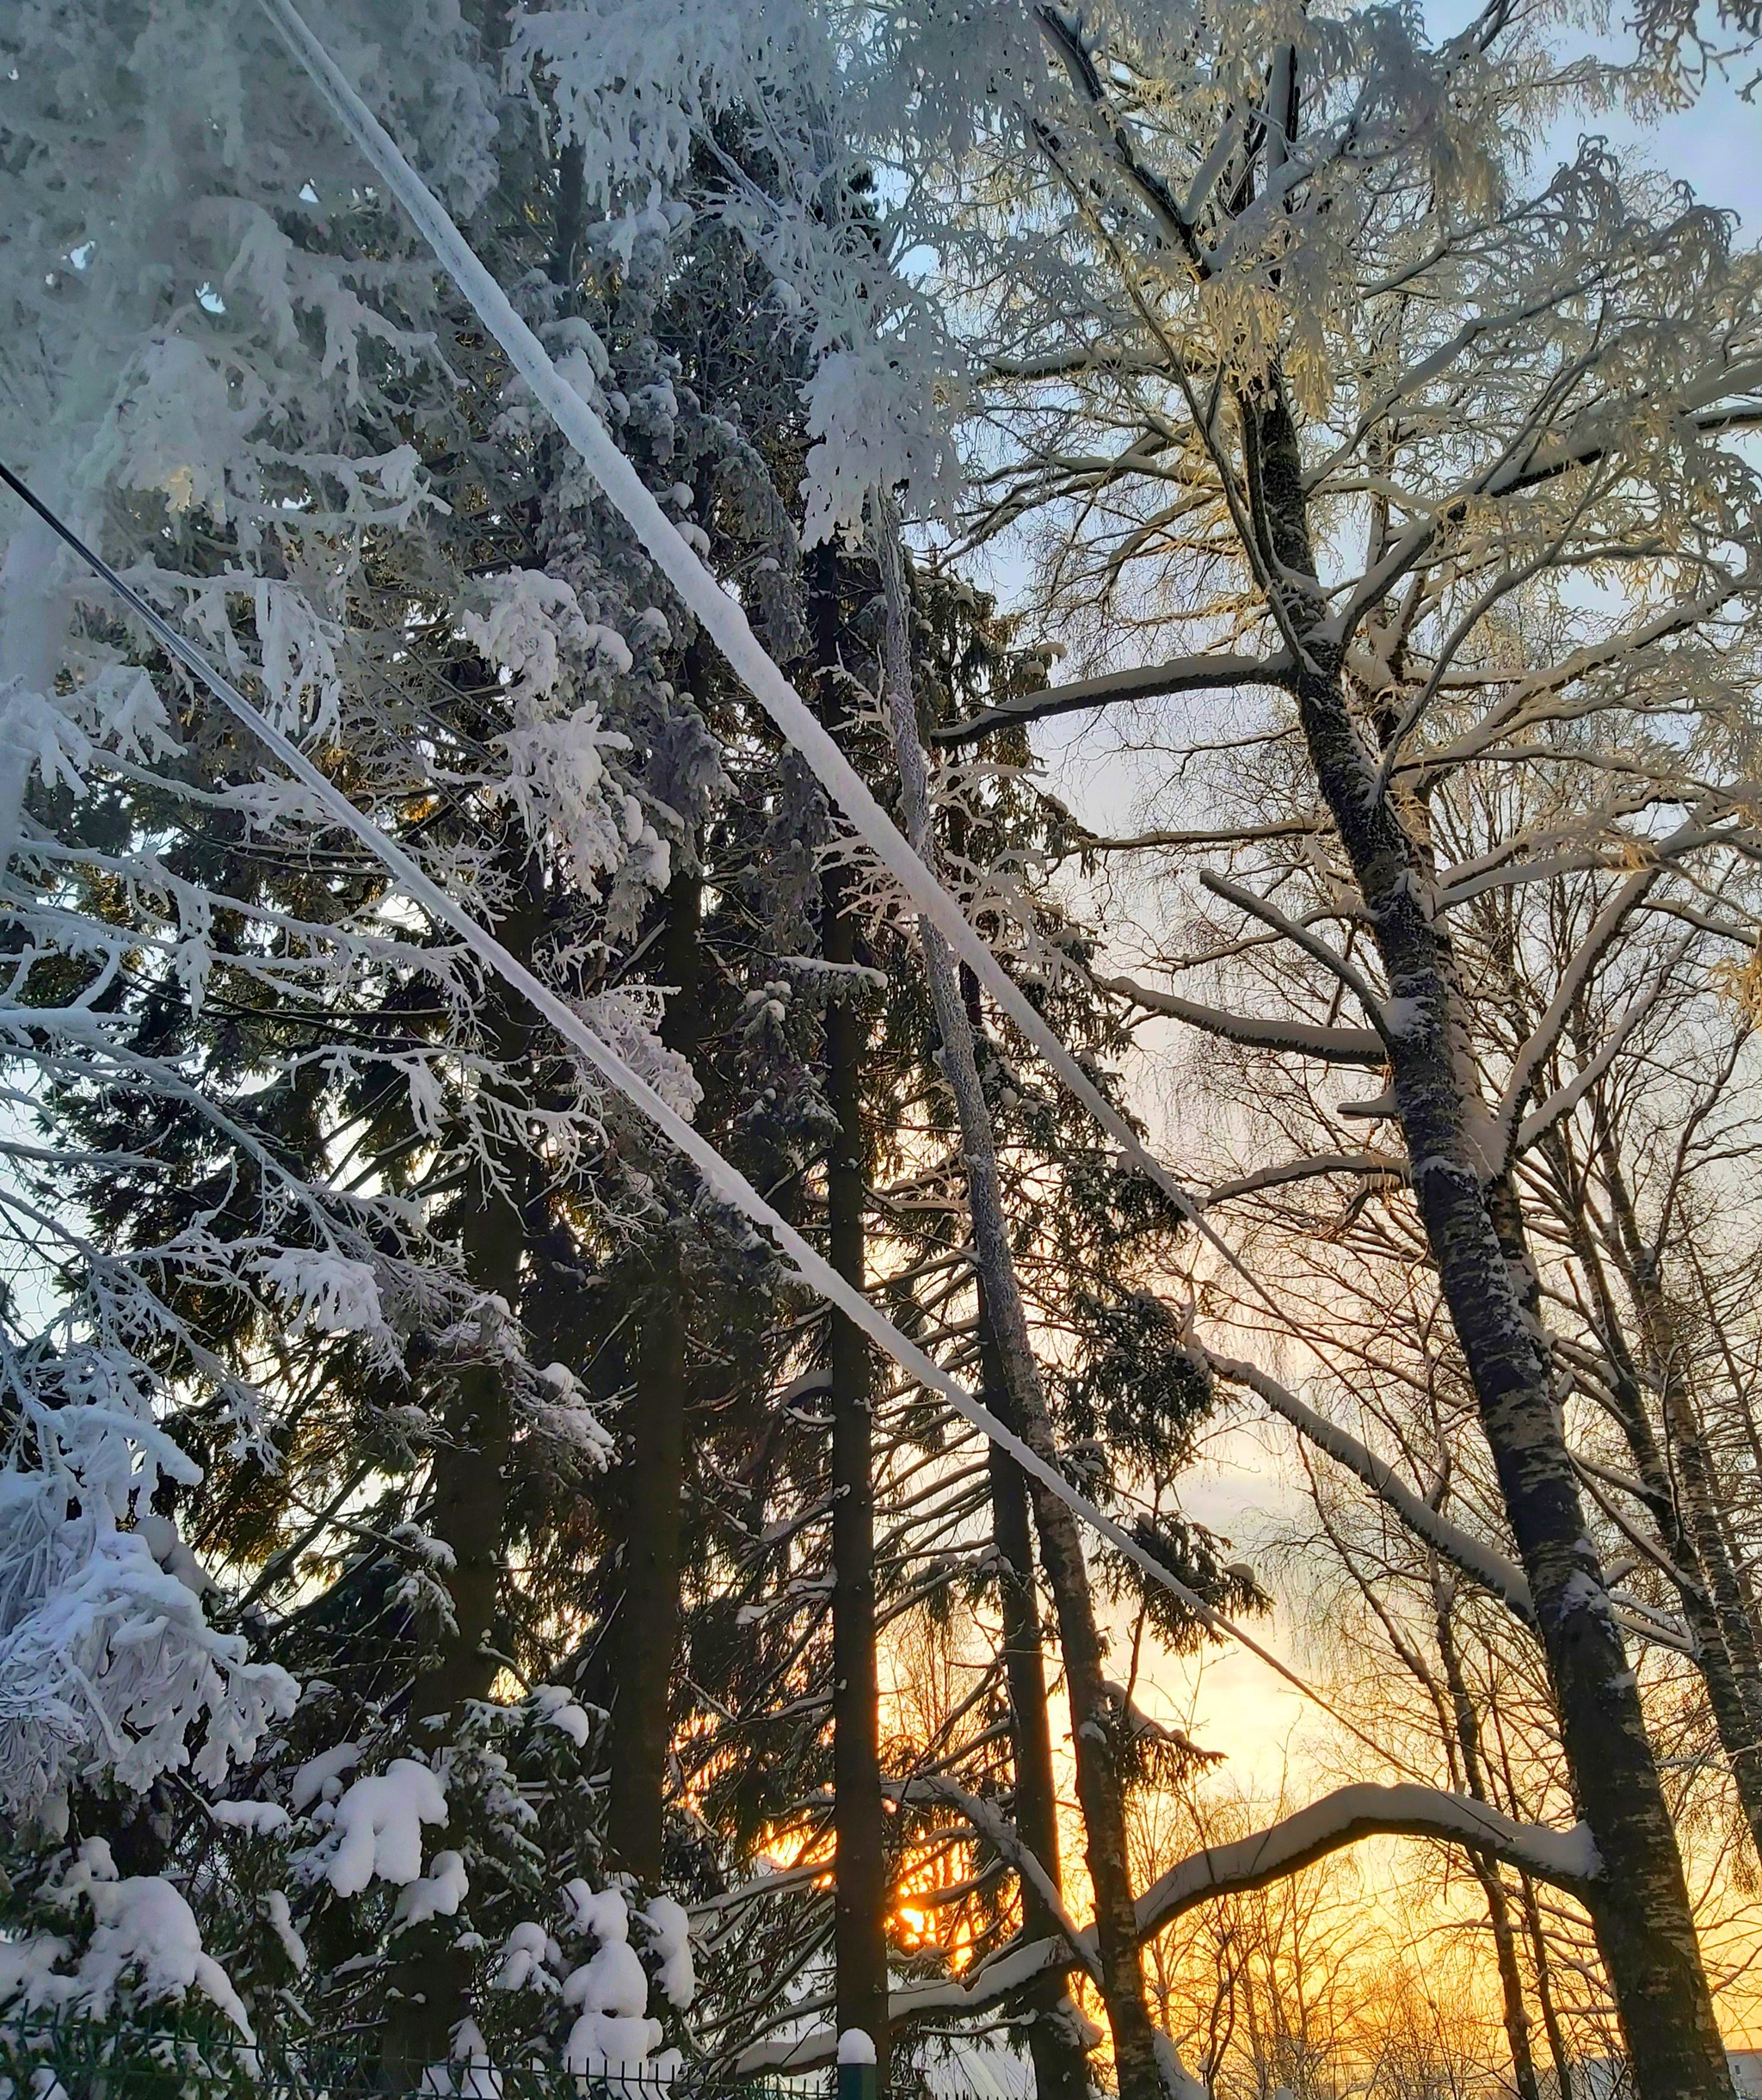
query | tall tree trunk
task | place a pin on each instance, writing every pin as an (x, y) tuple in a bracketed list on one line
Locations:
[(1119, 1973), (648, 1609), (1645, 1928), (1735, 1716), (1061, 2070), (860, 1892)]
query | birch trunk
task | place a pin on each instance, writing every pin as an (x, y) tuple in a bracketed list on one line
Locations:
[(1644, 1925)]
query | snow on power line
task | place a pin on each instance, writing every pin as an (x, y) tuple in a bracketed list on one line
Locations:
[(721, 618)]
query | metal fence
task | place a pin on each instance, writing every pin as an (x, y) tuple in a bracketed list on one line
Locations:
[(89, 2061)]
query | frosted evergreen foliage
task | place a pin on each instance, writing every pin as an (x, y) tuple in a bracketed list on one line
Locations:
[(213, 339)]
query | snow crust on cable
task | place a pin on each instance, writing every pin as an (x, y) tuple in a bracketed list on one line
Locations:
[(721, 618)]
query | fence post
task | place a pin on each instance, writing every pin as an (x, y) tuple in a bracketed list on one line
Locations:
[(857, 2078)]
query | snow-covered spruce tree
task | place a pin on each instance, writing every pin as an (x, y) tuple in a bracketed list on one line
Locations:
[(129, 899), (681, 1347), (1302, 360), (333, 1158), (832, 379)]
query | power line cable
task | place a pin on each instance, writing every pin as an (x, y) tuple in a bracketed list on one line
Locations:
[(718, 613)]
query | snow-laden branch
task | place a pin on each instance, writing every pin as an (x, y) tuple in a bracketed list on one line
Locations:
[(1565, 1859), (1084, 842), (1567, 1096), (1461, 1548), (1577, 666), (1715, 400), (1383, 1165), (1200, 674), (1305, 1038)]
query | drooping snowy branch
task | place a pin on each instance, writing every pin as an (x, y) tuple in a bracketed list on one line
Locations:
[(1490, 1570), (1192, 674), (1565, 1859), (1355, 1046)]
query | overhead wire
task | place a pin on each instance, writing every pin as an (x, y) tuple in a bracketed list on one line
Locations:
[(719, 614)]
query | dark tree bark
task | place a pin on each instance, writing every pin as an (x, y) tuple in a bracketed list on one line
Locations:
[(1645, 1928), (469, 1501), (1061, 2070), (860, 1892), (649, 1609)]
